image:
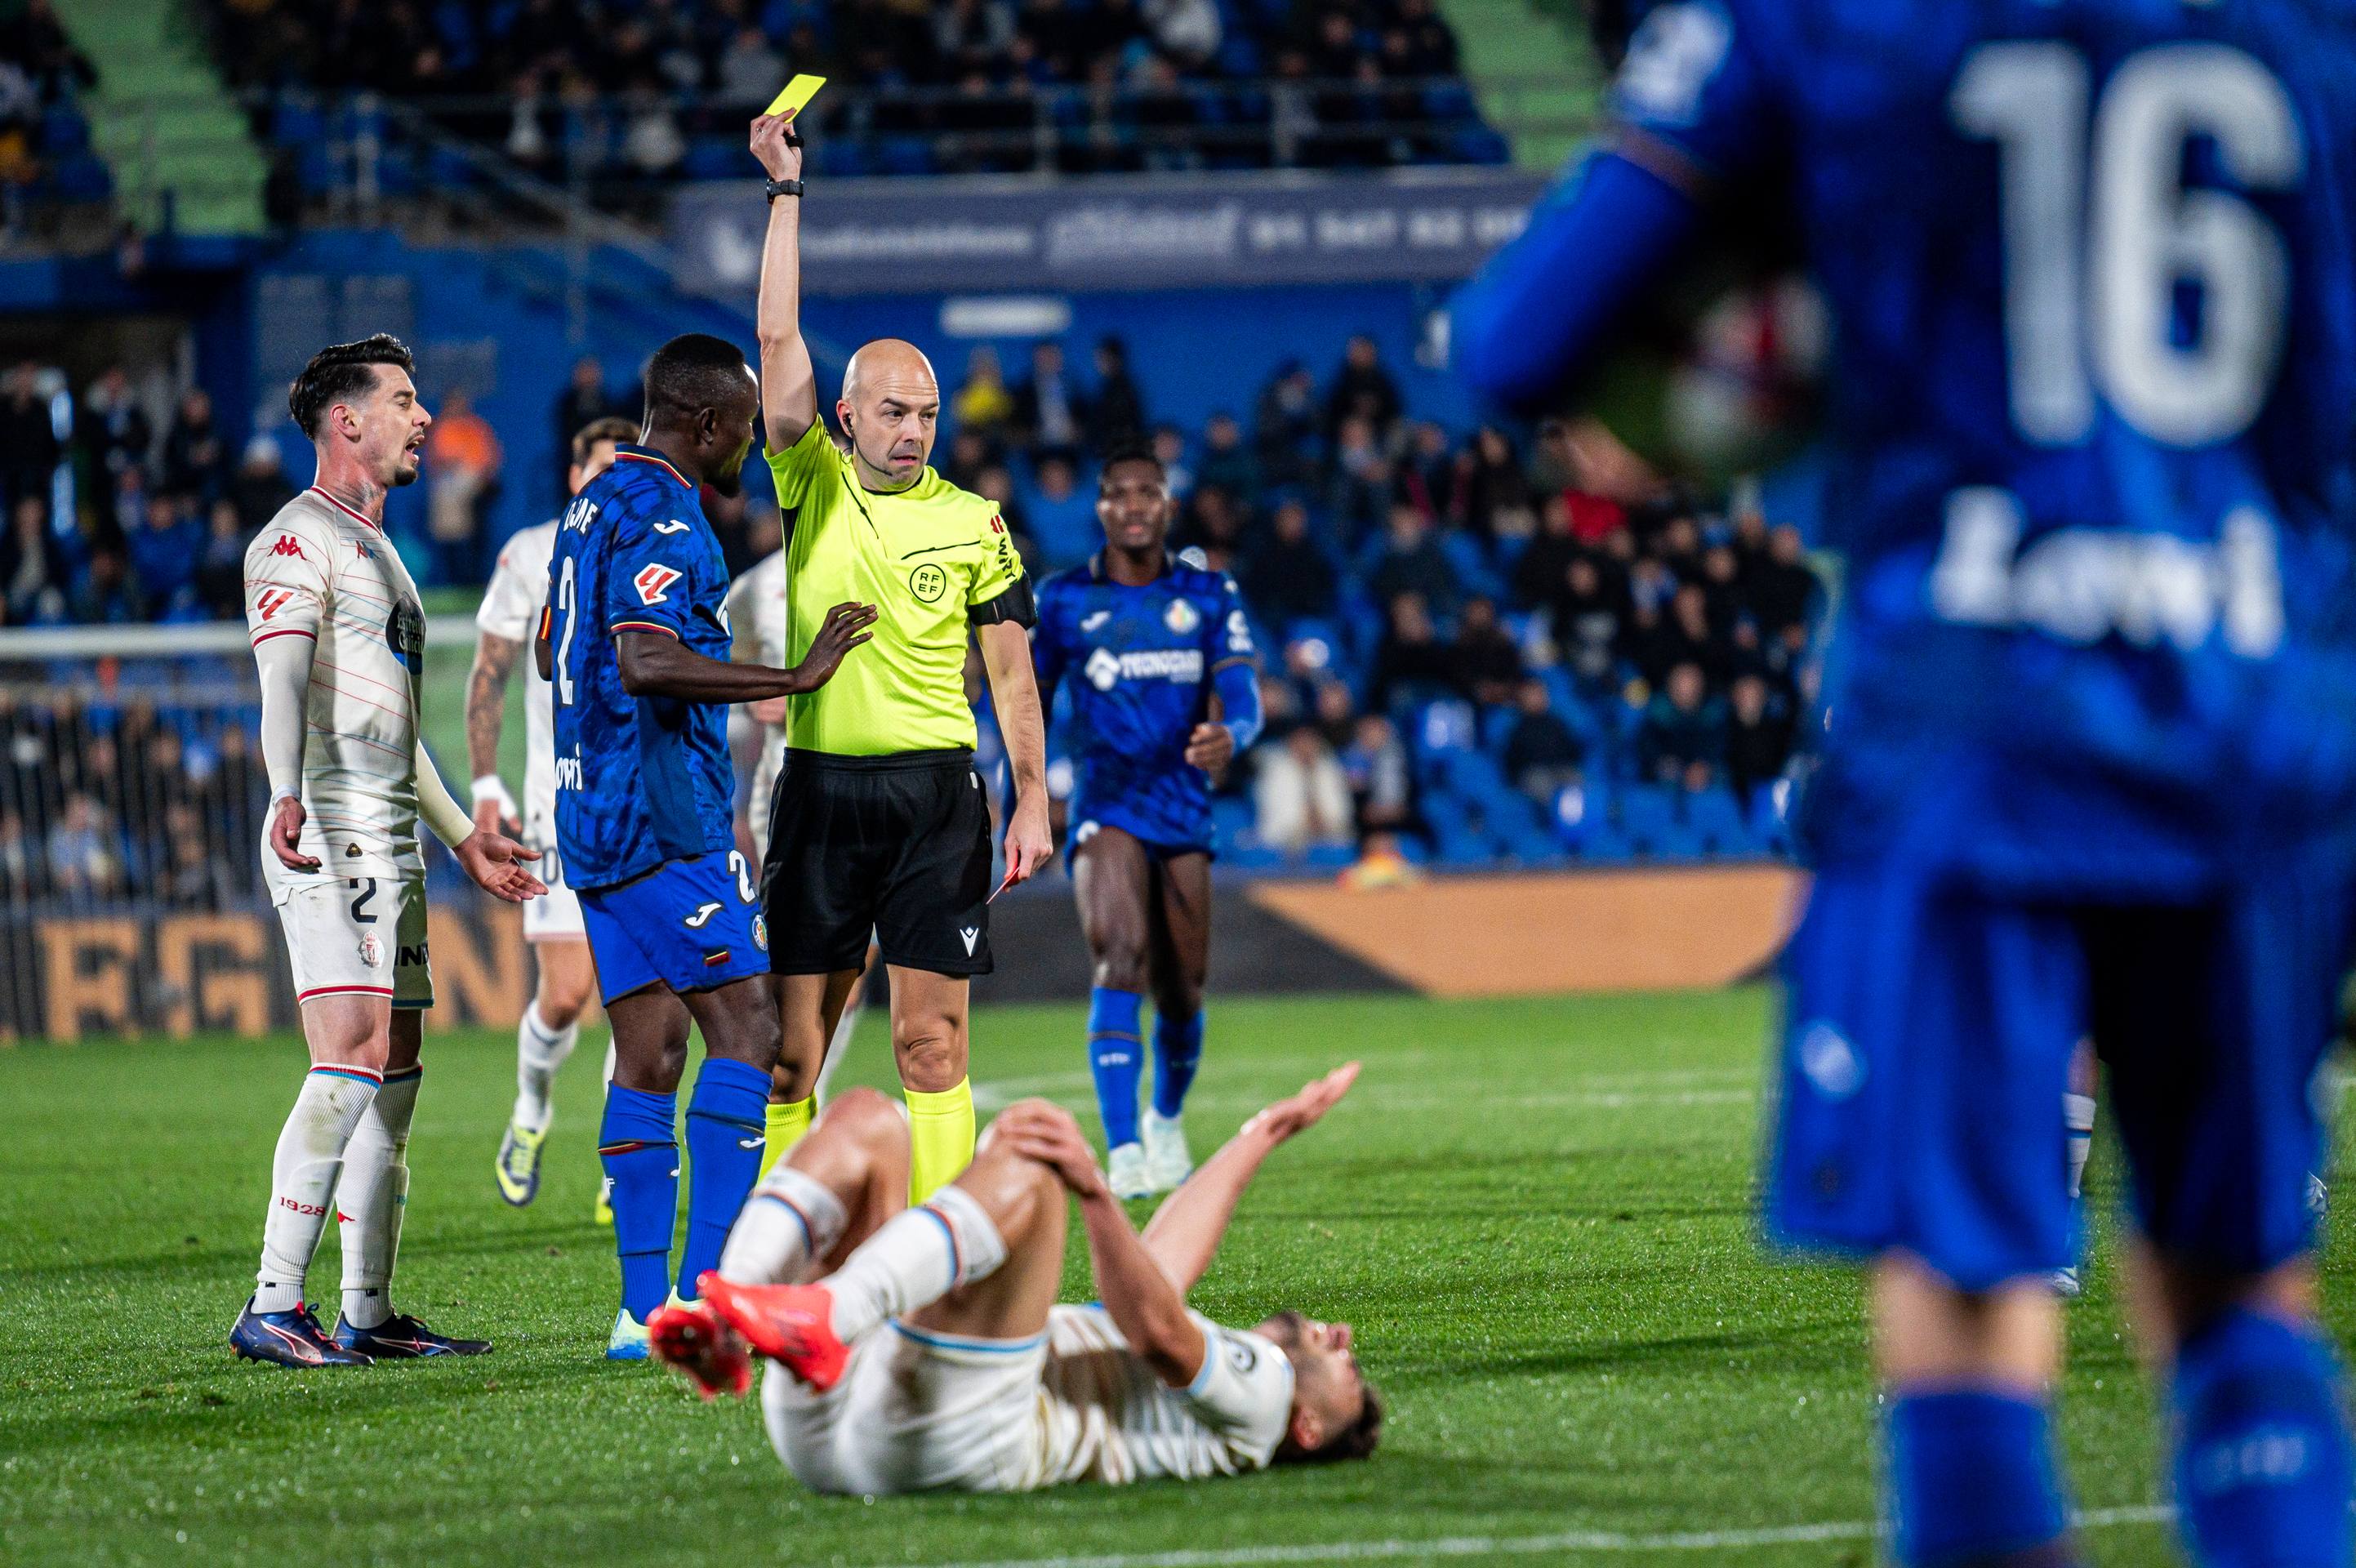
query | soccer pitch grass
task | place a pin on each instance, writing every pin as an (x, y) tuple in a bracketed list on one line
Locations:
[(1537, 1213)]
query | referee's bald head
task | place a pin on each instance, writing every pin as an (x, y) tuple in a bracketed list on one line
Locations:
[(702, 400), (889, 406)]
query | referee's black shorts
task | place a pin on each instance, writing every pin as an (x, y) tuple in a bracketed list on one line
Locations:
[(899, 844)]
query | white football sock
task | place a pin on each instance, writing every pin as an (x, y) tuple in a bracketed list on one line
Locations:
[(372, 1198), (788, 1225), (2078, 1117), (540, 1051), (837, 1047), (303, 1178), (916, 1258)]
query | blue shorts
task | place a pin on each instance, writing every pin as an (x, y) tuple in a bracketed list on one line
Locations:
[(688, 924), (1926, 1049)]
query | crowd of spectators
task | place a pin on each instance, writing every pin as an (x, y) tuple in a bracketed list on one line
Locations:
[(44, 139), (101, 803), (1532, 631), (153, 516), (649, 88)]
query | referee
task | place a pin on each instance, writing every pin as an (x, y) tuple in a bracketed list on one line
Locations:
[(879, 822)]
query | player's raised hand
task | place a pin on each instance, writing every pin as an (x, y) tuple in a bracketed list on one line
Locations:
[(846, 627), (773, 143), (1211, 748), (1299, 1113), (286, 836), (496, 863)]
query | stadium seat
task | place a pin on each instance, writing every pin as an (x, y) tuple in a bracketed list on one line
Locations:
[(1715, 818)]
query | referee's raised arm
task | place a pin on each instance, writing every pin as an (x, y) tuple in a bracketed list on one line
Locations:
[(788, 379)]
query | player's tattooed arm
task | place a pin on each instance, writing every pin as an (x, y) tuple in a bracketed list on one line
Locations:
[(788, 379), (486, 700), (1014, 695), (654, 664), (1186, 1232)]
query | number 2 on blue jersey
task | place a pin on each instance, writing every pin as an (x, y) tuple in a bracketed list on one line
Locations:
[(565, 596), (2100, 232)]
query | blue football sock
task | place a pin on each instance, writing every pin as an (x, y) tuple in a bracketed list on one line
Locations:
[(1972, 1480), (725, 1121), (1115, 1053), (637, 1144), (2262, 1453), (1177, 1051)]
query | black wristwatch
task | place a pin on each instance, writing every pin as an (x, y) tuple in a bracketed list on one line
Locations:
[(772, 190)]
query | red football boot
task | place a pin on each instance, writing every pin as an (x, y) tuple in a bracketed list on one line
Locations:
[(790, 1324), (699, 1342)]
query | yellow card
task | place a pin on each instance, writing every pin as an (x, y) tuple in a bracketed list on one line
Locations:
[(796, 97)]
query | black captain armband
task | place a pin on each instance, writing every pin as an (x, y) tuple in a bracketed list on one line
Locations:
[(1015, 604)]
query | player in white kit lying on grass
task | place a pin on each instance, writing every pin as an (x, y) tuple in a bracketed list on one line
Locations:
[(923, 1348)]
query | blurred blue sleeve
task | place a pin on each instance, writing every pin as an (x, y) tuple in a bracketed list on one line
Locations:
[(1522, 328), (1237, 684), (1695, 103)]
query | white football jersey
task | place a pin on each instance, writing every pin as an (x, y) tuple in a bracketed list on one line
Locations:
[(756, 609), (322, 570), (756, 613), (1106, 1417), (511, 608)]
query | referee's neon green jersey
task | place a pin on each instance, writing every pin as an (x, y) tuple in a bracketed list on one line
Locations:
[(921, 556)]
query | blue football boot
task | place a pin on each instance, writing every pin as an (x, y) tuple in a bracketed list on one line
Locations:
[(289, 1339), (402, 1338)]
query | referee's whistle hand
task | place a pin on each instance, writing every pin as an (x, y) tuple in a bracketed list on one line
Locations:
[(846, 627), (1029, 844)]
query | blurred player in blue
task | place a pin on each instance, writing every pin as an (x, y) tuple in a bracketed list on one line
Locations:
[(635, 644), (2091, 764), (1151, 641)]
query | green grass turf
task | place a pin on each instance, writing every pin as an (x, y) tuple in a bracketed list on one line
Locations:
[(1536, 1212)]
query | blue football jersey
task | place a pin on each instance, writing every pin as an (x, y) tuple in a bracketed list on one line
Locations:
[(2092, 269), (1141, 664), (639, 780)]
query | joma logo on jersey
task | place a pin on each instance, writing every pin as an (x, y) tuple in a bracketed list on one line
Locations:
[(580, 515), (651, 580), (568, 773)]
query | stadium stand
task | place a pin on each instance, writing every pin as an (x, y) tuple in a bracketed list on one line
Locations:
[(618, 96)]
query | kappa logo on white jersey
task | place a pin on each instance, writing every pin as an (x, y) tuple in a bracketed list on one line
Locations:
[(971, 934), (674, 526), (702, 916), (651, 580), (1089, 623)]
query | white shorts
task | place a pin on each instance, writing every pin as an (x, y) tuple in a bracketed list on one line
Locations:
[(916, 1412), (555, 914), (357, 935)]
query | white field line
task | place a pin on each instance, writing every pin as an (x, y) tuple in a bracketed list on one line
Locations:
[(1523, 1546)]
